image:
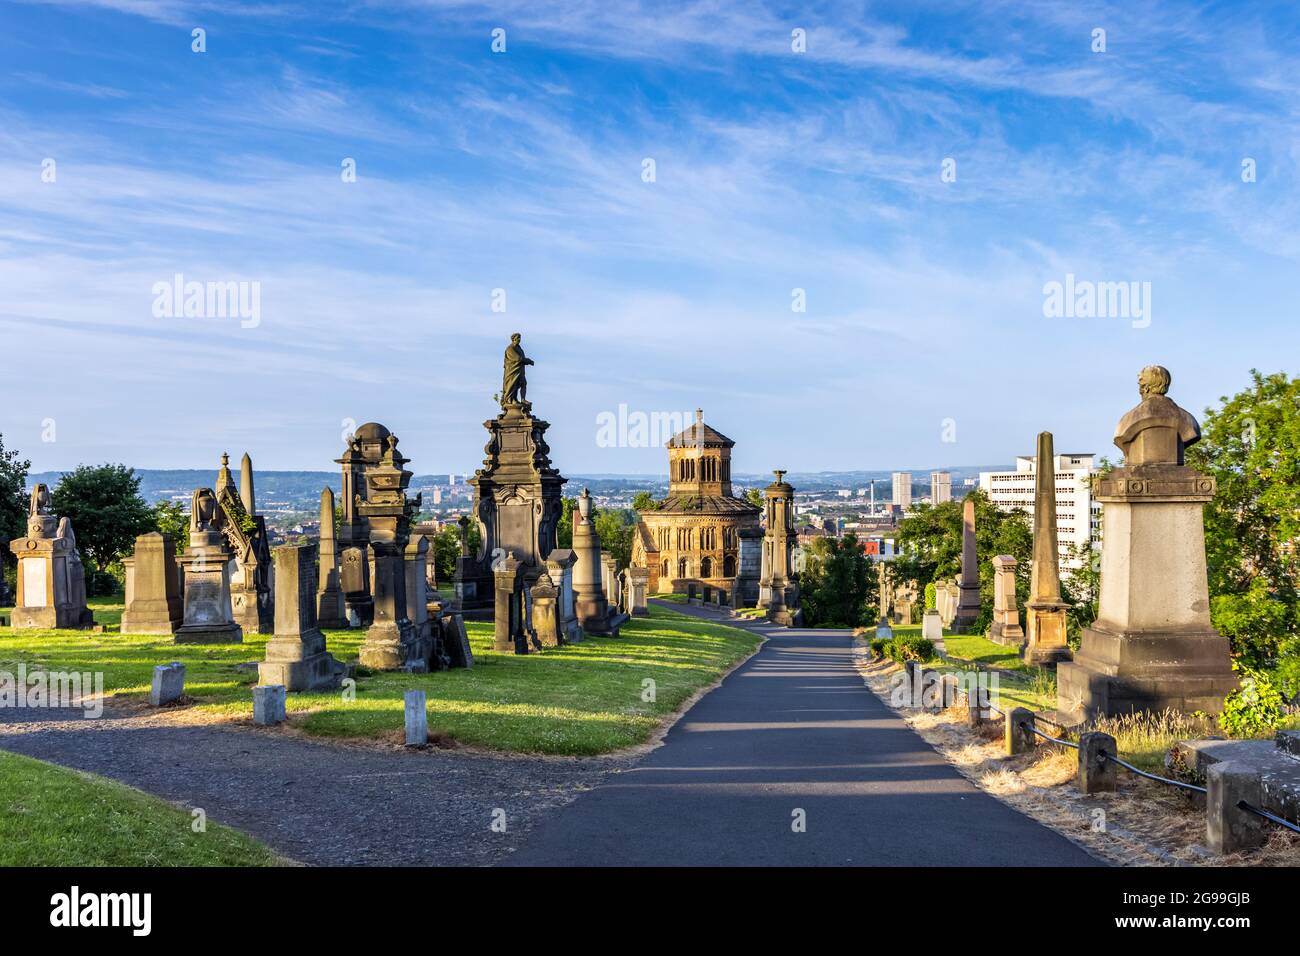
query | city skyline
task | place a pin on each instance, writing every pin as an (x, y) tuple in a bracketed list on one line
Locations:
[(784, 177)]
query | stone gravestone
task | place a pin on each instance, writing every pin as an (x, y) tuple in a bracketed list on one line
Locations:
[(968, 583), (517, 493), (546, 612), (1152, 646), (51, 593), (153, 600), (392, 642), (1005, 628), (330, 611), (594, 615), (296, 655), (207, 616), (559, 566), (1045, 624), (638, 582), (508, 617), (168, 684), (417, 594)]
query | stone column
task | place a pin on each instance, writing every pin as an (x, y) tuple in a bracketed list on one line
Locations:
[(417, 606), (154, 604), (330, 611), (507, 635), (968, 583), (1152, 646), (592, 607), (1005, 628), (1045, 625), (559, 565), (295, 654)]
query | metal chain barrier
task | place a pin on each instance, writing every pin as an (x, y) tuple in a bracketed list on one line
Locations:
[(1151, 776), (1243, 805), (1048, 737)]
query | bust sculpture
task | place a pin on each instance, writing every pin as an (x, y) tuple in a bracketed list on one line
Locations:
[(514, 384), (1157, 430)]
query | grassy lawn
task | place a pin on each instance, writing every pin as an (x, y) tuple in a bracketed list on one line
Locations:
[(53, 816), (581, 699)]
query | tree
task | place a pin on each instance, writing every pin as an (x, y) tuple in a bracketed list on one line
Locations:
[(754, 497), (107, 513), (644, 501), (838, 583), (564, 530), (13, 500), (169, 517), (444, 549), (615, 527), (1251, 446)]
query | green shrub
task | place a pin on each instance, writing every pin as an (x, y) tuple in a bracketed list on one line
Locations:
[(1256, 708), (910, 647), (931, 596), (878, 645)]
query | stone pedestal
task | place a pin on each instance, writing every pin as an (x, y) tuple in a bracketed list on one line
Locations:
[(1152, 646), (51, 582), (417, 602), (1005, 628), (932, 626), (296, 655), (207, 617), (517, 503), (153, 601), (1045, 633), (749, 567)]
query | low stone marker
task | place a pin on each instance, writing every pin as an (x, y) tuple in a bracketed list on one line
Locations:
[(417, 719), (1020, 731), (1096, 773), (168, 684), (976, 704), (268, 704), (1229, 828)]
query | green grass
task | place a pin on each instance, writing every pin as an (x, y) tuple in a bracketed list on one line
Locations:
[(580, 699), (51, 816)]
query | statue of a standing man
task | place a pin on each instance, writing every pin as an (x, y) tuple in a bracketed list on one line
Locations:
[(514, 387)]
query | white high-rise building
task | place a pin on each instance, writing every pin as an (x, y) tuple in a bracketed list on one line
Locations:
[(903, 489), (940, 487), (1078, 516)]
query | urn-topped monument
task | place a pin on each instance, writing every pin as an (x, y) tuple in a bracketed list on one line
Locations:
[(517, 493), (1152, 646)]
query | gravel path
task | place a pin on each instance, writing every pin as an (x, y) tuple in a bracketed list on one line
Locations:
[(314, 802)]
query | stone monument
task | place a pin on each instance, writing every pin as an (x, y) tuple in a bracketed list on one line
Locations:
[(594, 613), (330, 611), (517, 493), (392, 642), (638, 581), (296, 655), (968, 582), (1045, 629), (252, 600), (778, 588), (51, 584), (153, 599), (750, 566), (1152, 646), (1005, 628), (208, 617), (559, 567), (364, 452)]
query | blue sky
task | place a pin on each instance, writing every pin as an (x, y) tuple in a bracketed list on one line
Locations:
[(522, 171)]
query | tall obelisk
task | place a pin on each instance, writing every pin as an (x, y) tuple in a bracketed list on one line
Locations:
[(1045, 611), (330, 611), (968, 582)]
